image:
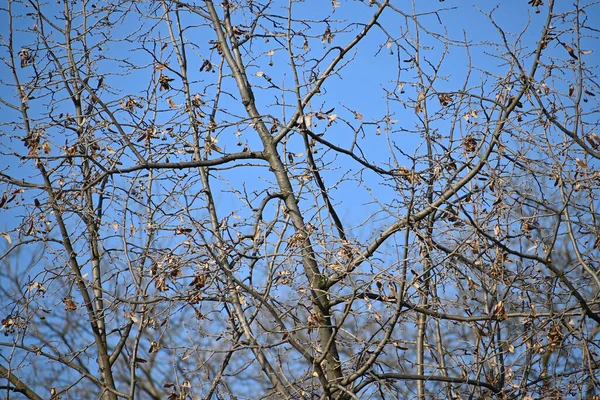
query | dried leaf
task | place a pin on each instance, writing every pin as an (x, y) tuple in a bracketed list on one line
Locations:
[(546, 88), (164, 82), (172, 103), (358, 115), (581, 163), (331, 118), (6, 236), (499, 312), (571, 90), (154, 346), (70, 305), (469, 143), (445, 99), (259, 73), (160, 66), (206, 66), (327, 36), (570, 51)]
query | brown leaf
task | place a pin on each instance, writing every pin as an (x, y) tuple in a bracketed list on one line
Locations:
[(327, 36), (154, 346), (6, 236), (570, 51), (581, 163), (555, 337), (499, 312), (445, 99), (172, 104), (70, 305), (199, 281), (160, 66), (206, 66), (469, 143), (591, 142), (164, 82), (571, 90), (26, 57)]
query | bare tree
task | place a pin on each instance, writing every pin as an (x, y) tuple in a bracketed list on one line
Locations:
[(301, 199)]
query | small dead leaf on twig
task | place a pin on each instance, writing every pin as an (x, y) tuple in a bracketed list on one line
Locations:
[(131, 104), (499, 312), (535, 3), (199, 281), (445, 99), (327, 36), (154, 346), (160, 66), (26, 57), (555, 337), (206, 66), (6, 236), (210, 144), (570, 51), (70, 305), (469, 143), (581, 163), (164, 82)]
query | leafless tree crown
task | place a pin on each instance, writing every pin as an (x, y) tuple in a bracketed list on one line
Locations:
[(301, 199)]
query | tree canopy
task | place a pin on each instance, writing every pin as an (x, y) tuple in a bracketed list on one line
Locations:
[(352, 199)]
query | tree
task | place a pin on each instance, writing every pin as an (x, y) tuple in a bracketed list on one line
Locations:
[(354, 199)]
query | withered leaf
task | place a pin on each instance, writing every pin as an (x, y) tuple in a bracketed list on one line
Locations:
[(70, 305), (570, 51), (26, 57), (154, 346), (499, 312), (164, 82), (199, 281), (581, 163), (206, 66), (445, 99), (327, 36)]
